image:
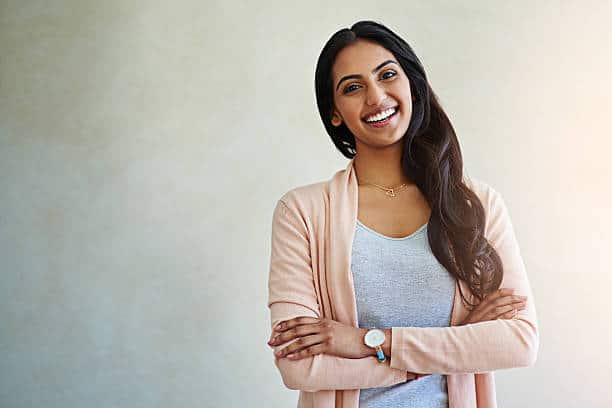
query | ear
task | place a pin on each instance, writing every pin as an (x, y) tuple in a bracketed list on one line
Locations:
[(336, 119)]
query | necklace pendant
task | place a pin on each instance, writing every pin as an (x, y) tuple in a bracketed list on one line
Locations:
[(390, 192)]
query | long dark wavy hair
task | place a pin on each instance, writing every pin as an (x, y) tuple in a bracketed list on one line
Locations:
[(431, 157)]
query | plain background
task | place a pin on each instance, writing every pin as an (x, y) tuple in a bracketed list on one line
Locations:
[(143, 146)]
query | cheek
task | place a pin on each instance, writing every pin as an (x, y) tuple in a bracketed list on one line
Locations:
[(407, 112), (351, 112), (403, 89), (407, 98)]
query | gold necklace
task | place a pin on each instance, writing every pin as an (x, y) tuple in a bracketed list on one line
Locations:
[(389, 191)]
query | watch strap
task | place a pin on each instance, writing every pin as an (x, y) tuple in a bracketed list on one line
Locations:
[(380, 355)]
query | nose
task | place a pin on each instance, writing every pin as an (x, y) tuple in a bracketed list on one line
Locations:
[(375, 95)]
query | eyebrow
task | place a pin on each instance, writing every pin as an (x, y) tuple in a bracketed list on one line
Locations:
[(357, 76)]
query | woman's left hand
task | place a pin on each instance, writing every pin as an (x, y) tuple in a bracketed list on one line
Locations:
[(317, 336)]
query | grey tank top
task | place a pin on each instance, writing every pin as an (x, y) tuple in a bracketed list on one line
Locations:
[(399, 283)]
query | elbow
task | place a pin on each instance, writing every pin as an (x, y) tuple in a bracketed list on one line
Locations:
[(531, 354), (291, 380), (529, 345), (294, 374), (290, 383)]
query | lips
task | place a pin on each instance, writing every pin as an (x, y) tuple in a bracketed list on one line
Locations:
[(385, 122), (396, 107)]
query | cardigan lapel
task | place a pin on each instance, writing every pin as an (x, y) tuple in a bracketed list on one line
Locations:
[(340, 233)]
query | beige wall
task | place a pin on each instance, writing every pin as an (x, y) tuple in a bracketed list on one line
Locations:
[(143, 146)]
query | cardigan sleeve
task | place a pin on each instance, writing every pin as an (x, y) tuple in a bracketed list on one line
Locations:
[(291, 293), (482, 346)]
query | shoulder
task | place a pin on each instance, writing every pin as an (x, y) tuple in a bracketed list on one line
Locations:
[(489, 197), (303, 195), (309, 203), (497, 217), (305, 202), (313, 197)]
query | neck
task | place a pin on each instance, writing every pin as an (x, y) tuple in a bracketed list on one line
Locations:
[(382, 167)]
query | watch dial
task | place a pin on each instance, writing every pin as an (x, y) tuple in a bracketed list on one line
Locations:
[(375, 338)]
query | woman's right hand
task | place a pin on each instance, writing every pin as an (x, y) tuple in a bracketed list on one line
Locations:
[(501, 304)]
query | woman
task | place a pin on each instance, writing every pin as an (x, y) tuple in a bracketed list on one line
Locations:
[(400, 241)]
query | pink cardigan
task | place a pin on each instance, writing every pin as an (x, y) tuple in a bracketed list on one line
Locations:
[(310, 275)]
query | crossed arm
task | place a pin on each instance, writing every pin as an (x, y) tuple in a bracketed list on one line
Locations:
[(478, 347), (328, 372)]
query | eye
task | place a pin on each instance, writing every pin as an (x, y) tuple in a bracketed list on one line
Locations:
[(349, 88), (388, 72)]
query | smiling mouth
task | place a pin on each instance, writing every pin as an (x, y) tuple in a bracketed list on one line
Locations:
[(395, 108), (383, 122)]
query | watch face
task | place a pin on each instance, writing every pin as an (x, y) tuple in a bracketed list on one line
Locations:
[(374, 338)]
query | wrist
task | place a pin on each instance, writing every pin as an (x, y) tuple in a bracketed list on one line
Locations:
[(364, 349), (369, 351), (386, 346)]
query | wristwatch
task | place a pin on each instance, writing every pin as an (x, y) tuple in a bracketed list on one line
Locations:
[(375, 338)]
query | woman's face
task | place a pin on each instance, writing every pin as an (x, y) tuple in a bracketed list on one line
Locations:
[(367, 80)]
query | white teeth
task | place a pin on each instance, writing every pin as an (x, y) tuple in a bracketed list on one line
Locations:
[(382, 115)]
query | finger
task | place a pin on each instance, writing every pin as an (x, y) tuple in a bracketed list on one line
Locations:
[(307, 352), (495, 310), (300, 344), (296, 321), (500, 310), (296, 332), (501, 297), (508, 314), (492, 312), (491, 297), (483, 310), (507, 300), (283, 325)]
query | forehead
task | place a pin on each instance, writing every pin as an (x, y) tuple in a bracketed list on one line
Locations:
[(359, 58)]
